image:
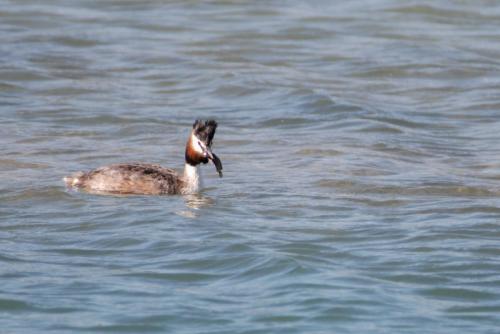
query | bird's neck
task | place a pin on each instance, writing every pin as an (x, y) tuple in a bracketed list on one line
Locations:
[(192, 179)]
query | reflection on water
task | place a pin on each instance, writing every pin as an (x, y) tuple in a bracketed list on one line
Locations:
[(195, 202), (198, 201)]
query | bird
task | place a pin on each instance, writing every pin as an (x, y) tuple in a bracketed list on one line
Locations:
[(151, 179)]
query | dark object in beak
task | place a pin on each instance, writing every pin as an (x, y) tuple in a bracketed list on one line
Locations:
[(218, 164), (215, 159)]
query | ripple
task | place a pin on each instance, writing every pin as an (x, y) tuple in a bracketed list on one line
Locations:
[(11, 164), (416, 279), (458, 294), (41, 194), (180, 277), (285, 122), (13, 305), (452, 190), (475, 309), (75, 41), (318, 152), (21, 75), (68, 91)]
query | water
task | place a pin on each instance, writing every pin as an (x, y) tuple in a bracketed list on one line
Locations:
[(360, 143)]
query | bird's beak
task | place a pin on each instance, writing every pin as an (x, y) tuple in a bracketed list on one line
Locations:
[(215, 159)]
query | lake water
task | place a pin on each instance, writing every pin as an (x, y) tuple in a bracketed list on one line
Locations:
[(361, 151)]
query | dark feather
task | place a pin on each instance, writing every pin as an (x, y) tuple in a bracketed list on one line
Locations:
[(205, 131)]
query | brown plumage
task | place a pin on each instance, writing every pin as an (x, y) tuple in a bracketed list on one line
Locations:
[(130, 178)]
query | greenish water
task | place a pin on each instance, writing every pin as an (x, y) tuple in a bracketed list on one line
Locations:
[(360, 143)]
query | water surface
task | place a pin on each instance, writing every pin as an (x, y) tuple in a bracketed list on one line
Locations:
[(360, 143)]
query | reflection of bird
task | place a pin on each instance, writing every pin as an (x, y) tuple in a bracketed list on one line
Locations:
[(150, 179), (195, 202), (198, 201)]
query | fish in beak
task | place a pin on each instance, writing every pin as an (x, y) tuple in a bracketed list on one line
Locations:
[(207, 153)]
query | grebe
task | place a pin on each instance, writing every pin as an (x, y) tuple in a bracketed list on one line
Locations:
[(150, 179)]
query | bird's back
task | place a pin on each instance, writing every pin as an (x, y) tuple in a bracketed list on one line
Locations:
[(129, 178)]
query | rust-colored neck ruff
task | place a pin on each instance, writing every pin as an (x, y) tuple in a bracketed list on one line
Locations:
[(194, 155)]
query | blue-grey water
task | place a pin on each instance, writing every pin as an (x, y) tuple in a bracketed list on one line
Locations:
[(361, 151)]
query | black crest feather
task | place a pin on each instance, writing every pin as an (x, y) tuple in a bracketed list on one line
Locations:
[(205, 130)]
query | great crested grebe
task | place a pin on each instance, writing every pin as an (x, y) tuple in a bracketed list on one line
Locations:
[(150, 179)]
